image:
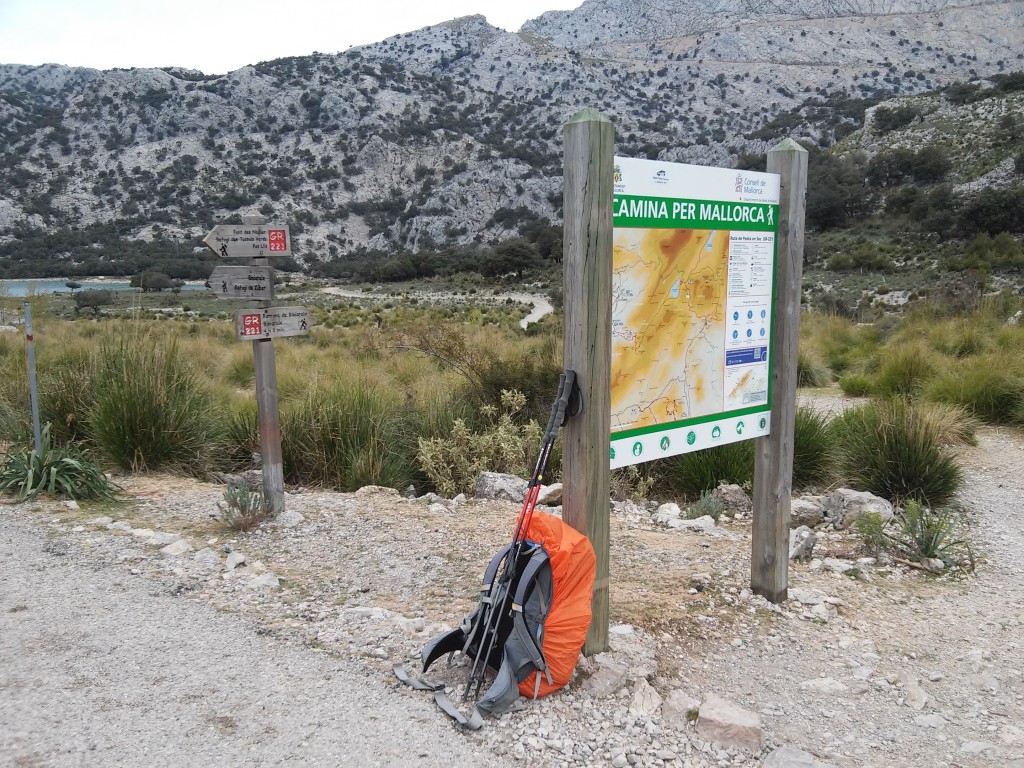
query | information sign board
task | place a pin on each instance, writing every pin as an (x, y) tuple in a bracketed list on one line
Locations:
[(692, 288)]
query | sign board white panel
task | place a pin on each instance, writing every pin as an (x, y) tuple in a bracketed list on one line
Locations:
[(693, 256), (272, 322), (243, 282), (242, 241)]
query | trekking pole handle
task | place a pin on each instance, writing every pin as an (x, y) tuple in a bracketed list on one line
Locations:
[(566, 385)]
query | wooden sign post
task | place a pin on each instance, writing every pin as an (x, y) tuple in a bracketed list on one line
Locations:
[(587, 263), (265, 364), (773, 455)]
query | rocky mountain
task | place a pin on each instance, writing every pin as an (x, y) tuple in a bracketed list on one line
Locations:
[(452, 134)]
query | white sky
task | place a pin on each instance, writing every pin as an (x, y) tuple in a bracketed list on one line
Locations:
[(217, 36)]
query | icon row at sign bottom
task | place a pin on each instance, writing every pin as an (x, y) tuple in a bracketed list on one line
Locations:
[(733, 430)]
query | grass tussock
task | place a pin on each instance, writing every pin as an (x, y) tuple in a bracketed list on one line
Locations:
[(151, 410), (891, 449), (346, 436)]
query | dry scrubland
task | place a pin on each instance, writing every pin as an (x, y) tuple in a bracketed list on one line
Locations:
[(398, 395)]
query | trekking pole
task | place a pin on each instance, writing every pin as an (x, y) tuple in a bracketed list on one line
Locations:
[(497, 607)]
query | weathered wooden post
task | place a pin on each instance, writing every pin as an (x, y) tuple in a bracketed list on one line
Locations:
[(587, 268), (265, 365), (773, 455), (33, 390)]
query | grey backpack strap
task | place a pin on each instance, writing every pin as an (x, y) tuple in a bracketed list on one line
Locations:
[(522, 651), (415, 683), (540, 602), (471, 723)]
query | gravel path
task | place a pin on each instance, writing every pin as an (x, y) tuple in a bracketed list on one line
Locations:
[(100, 668), (113, 653)]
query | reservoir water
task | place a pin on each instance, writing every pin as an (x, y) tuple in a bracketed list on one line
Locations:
[(43, 286)]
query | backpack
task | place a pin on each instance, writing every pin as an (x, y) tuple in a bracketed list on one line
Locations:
[(534, 608), (541, 625)]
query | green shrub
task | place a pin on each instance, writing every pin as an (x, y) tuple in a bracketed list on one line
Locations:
[(814, 448), (923, 532), (904, 369), (987, 385), (855, 384), (811, 371), (150, 410), (346, 436), (889, 449), (60, 471), (870, 527), (691, 474), (452, 463)]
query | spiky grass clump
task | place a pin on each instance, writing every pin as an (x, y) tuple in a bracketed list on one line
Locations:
[(811, 371), (814, 448), (855, 384), (346, 436), (904, 369), (990, 386), (241, 432), (151, 411), (66, 396), (888, 448), (692, 474), (58, 471)]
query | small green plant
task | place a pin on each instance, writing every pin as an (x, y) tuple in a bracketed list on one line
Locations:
[(707, 504), (631, 482), (453, 463), (244, 508), (870, 527), (925, 532), (61, 471)]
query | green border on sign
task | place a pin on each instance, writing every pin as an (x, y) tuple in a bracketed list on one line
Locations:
[(644, 212), (627, 433)]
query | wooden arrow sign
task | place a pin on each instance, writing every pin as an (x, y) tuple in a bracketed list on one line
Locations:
[(243, 282), (242, 241), (273, 322)]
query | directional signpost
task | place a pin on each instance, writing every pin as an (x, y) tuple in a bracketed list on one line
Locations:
[(256, 241), (245, 241), (243, 282), (272, 322)]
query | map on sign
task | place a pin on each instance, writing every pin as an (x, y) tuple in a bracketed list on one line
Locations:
[(693, 265)]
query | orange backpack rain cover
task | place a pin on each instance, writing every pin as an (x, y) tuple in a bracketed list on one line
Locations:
[(573, 565)]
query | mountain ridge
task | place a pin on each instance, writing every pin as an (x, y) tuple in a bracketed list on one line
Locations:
[(451, 135)]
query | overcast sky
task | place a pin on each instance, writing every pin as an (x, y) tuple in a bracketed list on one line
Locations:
[(217, 36)]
